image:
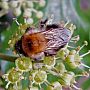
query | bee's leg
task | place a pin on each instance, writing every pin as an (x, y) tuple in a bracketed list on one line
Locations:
[(38, 56), (50, 52)]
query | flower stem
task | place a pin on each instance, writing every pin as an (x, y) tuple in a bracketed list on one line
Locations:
[(8, 57)]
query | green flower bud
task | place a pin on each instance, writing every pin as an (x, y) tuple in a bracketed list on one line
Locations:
[(39, 14), (42, 3), (70, 61), (34, 88), (71, 65), (39, 77), (38, 65), (62, 53), (13, 76), (73, 60), (66, 78), (72, 52), (69, 58), (29, 21), (23, 64), (27, 13), (13, 4), (86, 43), (55, 86), (29, 4), (49, 61), (17, 11), (49, 88), (5, 5), (60, 68), (77, 59)]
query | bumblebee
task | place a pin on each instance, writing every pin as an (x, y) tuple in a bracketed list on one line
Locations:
[(43, 41)]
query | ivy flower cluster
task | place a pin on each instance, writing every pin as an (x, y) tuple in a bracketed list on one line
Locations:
[(61, 66), (28, 7)]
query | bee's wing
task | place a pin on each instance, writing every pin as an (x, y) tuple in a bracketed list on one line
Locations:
[(57, 38)]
